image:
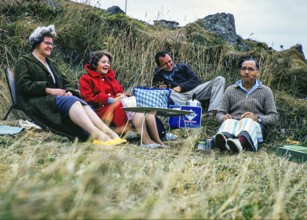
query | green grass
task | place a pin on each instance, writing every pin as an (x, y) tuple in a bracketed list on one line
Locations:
[(47, 177)]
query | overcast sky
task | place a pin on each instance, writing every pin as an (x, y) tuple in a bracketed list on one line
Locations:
[(275, 22)]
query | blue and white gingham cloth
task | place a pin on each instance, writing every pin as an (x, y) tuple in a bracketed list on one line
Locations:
[(151, 97)]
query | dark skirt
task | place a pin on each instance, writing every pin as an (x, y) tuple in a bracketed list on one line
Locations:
[(64, 104)]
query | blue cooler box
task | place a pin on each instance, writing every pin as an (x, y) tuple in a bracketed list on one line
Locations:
[(192, 120)]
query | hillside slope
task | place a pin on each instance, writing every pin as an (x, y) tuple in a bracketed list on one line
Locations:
[(82, 29)]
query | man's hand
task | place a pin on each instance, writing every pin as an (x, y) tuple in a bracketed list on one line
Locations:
[(227, 116), (163, 86), (177, 89), (250, 115)]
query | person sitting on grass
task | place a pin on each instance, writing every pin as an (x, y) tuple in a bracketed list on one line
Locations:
[(104, 93), (246, 111), (184, 82), (47, 97)]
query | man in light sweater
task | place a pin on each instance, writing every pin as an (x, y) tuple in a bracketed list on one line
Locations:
[(247, 109)]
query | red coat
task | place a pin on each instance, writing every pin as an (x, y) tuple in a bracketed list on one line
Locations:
[(96, 88)]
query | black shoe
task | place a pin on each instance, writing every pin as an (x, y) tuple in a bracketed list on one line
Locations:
[(234, 145), (221, 142)]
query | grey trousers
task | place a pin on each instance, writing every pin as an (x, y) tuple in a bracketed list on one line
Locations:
[(213, 90)]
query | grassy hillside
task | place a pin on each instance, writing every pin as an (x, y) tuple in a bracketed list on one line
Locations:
[(47, 176), (82, 29)]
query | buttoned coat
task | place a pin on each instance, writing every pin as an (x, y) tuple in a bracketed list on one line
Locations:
[(96, 88), (31, 80)]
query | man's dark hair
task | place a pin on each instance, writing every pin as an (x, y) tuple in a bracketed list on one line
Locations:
[(251, 59), (160, 54)]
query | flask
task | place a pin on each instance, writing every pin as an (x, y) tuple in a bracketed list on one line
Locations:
[(193, 101)]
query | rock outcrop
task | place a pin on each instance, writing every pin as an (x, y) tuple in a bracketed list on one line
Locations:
[(223, 24), (299, 48), (115, 10)]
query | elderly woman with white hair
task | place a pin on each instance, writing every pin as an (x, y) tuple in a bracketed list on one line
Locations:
[(47, 97)]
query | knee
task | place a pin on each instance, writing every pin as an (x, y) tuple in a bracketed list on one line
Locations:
[(77, 103), (150, 118), (137, 119), (220, 79), (137, 124)]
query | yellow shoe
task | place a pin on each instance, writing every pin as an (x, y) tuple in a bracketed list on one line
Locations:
[(108, 143), (111, 142), (118, 141)]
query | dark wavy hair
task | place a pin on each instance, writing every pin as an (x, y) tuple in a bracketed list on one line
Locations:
[(96, 56), (160, 54)]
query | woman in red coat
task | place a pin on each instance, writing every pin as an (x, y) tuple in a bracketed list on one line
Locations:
[(103, 92), (47, 97)]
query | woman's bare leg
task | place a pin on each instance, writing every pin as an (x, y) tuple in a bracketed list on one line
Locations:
[(152, 128), (79, 116), (99, 123), (137, 121)]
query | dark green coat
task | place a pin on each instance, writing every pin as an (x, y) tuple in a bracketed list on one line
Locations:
[(31, 80)]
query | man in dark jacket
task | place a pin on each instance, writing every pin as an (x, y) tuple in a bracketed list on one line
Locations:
[(184, 82)]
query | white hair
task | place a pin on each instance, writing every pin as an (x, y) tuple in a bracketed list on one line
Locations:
[(39, 33)]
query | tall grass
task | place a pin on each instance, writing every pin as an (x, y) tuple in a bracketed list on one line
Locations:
[(82, 29), (74, 180)]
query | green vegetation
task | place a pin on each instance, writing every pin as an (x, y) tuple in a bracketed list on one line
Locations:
[(47, 176)]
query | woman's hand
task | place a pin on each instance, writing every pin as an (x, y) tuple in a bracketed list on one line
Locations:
[(54, 91), (250, 115), (119, 96)]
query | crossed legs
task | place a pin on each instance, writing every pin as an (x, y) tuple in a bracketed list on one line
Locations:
[(86, 118)]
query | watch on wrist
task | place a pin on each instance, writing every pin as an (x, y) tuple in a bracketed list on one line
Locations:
[(259, 120)]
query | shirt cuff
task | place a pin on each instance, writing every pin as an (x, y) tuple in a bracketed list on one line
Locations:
[(110, 100)]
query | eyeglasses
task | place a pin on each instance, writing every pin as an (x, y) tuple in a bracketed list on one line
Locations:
[(48, 43), (250, 69)]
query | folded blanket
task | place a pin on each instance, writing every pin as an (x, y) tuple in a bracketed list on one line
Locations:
[(4, 130)]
